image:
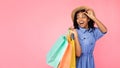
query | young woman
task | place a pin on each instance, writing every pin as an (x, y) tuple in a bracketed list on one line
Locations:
[(86, 35)]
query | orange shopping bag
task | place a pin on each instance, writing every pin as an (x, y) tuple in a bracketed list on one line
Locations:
[(66, 60), (69, 58)]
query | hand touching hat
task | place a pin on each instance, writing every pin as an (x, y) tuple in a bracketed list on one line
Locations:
[(89, 12)]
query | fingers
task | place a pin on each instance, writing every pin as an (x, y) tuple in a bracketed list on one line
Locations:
[(71, 28), (86, 14)]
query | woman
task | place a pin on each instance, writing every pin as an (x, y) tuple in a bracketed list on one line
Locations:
[(86, 35)]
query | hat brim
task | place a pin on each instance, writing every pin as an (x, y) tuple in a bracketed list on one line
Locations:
[(79, 8)]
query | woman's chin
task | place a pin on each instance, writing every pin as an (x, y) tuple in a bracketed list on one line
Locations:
[(82, 26)]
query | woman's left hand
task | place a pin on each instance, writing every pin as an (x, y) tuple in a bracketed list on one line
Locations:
[(90, 14)]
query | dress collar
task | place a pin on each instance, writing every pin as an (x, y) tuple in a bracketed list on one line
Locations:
[(83, 30)]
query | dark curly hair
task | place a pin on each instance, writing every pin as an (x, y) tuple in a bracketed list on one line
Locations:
[(75, 24)]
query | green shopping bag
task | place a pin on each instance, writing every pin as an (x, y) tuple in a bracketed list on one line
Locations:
[(57, 51)]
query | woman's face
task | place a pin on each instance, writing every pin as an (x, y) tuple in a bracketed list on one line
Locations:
[(82, 20)]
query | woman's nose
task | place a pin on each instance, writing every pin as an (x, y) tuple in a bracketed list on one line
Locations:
[(80, 19)]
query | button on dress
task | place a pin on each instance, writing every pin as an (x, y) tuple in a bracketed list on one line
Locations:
[(87, 39)]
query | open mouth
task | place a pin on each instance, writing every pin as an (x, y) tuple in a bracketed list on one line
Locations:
[(81, 22)]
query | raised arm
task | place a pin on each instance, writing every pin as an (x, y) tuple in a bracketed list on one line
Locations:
[(100, 25)]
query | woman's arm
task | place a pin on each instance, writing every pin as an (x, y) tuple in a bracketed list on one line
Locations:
[(77, 47), (77, 43), (92, 16), (101, 26)]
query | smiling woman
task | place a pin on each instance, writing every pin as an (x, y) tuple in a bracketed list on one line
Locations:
[(86, 35), (82, 19)]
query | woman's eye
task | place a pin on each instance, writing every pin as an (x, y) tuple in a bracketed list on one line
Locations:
[(83, 16)]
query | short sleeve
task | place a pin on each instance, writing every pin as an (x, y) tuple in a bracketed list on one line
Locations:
[(98, 34)]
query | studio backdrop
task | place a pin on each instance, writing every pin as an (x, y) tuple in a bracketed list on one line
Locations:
[(29, 28)]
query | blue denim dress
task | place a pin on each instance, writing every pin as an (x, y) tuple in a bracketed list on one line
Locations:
[(87, 39)]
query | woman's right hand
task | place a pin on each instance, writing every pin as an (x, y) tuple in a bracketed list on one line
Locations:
[(73, 31), (78, 49)]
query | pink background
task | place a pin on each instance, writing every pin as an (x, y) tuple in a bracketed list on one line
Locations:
[(28, 29)]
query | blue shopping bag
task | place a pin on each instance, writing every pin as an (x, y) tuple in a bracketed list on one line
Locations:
[(57, 51)]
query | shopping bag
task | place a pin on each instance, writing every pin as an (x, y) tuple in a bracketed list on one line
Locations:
[(57, 51), (73, 56), (66, 59), (69, 58)]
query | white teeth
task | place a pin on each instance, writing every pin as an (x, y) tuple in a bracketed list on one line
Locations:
[(81, 22)]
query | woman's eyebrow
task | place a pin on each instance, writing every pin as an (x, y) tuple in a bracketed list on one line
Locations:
[(78, 15)]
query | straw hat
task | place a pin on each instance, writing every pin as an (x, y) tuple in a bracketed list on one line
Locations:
[(79, 8)]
